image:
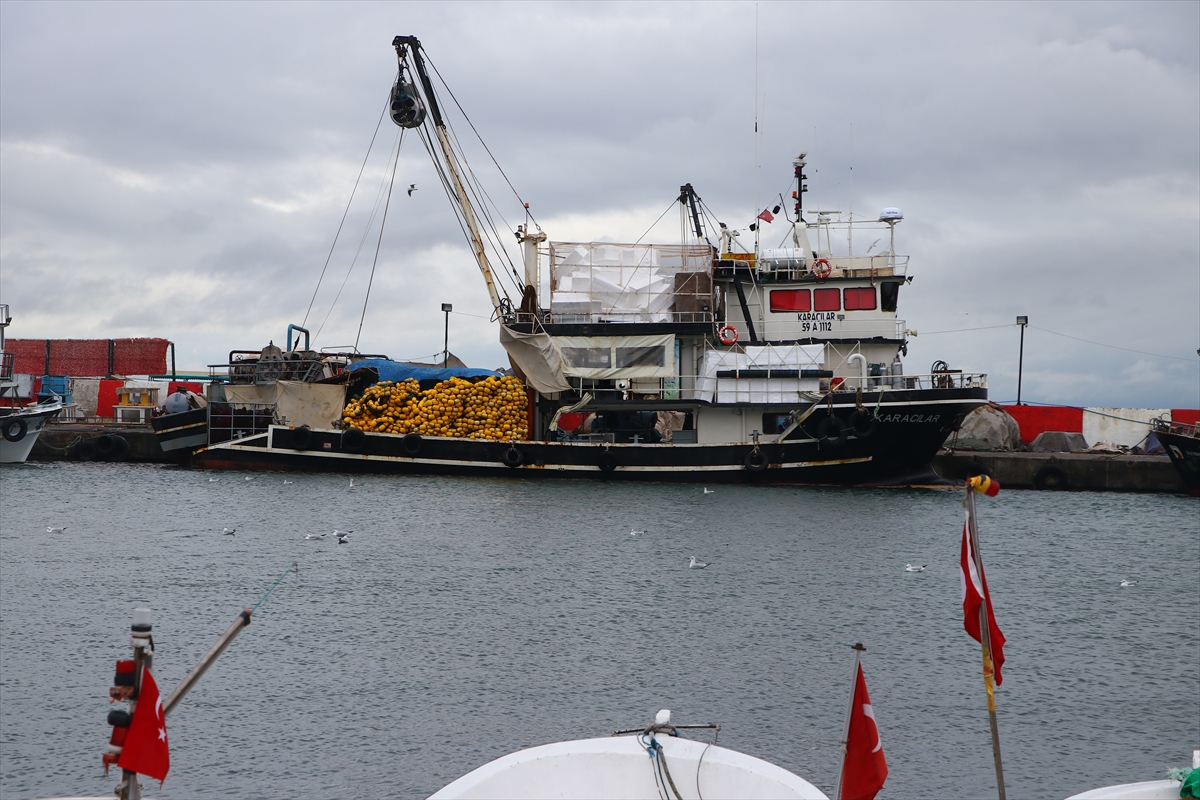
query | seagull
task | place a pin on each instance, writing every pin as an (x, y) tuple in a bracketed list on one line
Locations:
[(1129, 583), (314, 536), (636, 533), (412, 187), (354, 485), (342, 536), (694, 564), (709, 491), (52, 529), (914, 568), (229, 531), (249, 477), (213, 480), (288, 483)]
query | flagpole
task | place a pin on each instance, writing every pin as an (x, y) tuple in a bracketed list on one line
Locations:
[(985, 641), (129, 788), (858, 649)]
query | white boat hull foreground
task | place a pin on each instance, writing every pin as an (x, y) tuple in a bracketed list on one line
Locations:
[(21, 428), (619, 768), (1145, 790)]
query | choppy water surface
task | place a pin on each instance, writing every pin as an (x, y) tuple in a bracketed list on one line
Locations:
[(469, 618)]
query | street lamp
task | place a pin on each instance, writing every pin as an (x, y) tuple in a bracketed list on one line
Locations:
[(1022, 321), (448, 307)]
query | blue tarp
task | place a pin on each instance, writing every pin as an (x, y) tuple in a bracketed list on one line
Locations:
[(395, 371)]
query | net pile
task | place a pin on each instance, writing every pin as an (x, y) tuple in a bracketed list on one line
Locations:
[(492, 408)]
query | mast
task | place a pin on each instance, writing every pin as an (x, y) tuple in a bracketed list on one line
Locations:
[(403, 45)]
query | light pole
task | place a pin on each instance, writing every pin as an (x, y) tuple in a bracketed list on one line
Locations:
[(1022, 321), (448, 307)]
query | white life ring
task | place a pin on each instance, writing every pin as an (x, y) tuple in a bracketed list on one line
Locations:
[(821, 269), (728, 335)]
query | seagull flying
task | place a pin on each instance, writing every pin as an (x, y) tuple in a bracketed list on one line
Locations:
[(1129, 583), (314, 536), (915, 568), (709, 491), (229, 531), (694, 564), (342, 536), (412, 187), (52, 529)]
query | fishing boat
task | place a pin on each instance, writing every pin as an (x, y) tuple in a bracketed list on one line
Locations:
[(20, 426), (700, 360), (1182, 443)]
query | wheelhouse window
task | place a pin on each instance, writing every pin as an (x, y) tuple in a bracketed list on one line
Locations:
[(791, 300), (653, 356), (860, 299), (588, 357), (827, 299)]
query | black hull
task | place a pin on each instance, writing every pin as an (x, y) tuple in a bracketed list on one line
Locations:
[(1184, 452), (897, 451)]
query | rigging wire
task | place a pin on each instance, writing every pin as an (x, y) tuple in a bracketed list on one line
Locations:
[(379, 241), (1113, 346), (480, 138), (344, 213), (361, 242)]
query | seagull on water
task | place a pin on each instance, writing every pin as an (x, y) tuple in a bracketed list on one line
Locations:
[(288, 483), (636, 533), (213, 480), (915, 568), (52, 529), (249, 477), (342, 536), (1129, 583), (709, 491), (694, 564), (354, 485), (229, 531), (314, 536)]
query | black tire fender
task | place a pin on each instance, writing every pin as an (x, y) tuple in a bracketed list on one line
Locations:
[(974, 468), (353, 440), (302, 438), (1051, 477), (104, 445), (85, 451), (864, 423), (831, 431), (15, 429), (411, 444), (756, 461), (608, 462), (120, 450), (513, 458)]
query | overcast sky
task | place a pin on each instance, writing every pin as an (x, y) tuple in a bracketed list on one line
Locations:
[(180, 169)]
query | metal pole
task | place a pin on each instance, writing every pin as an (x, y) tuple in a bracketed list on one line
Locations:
[(446, 344), (858, 649), (1022, 321), (202, 666), (128, 788), (986, 643)]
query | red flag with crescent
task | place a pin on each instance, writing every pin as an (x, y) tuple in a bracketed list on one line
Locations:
[(146, 750), (766, 215), (974, 594), (865, 768)]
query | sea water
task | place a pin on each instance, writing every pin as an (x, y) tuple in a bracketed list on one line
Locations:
[(465, 619)]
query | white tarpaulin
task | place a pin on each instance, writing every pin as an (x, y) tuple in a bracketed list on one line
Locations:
[(537, 358), (621, 281), (713, 389), (607, 357), (317, 405)]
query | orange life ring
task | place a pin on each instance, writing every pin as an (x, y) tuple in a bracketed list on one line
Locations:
[(821, 269), (728, 335)]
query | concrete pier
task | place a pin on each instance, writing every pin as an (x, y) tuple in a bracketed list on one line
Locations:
[(1091, 472), (62, 442)]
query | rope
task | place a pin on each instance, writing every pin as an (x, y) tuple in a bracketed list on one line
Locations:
[(379, 241), (295, 567), (78, 439)]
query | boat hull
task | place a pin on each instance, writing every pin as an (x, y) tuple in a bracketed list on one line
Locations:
[(16, 450), (1184, 452), (898, 450)]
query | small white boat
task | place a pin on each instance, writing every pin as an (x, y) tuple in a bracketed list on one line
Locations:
[(654, 763), (20, 428), (1142, 790)]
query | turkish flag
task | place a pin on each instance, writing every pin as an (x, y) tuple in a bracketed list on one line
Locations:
[(974, 593), (865, 768), (146, 750), (766, 215)]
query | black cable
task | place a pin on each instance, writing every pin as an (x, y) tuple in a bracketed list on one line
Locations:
[(344, 213), (379, 241)]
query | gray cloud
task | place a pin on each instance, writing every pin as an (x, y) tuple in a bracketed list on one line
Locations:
[(179, 170)]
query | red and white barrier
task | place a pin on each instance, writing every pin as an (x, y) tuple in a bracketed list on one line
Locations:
[(1127, 426)]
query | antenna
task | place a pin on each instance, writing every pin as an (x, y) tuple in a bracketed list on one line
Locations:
[(850, 227)]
